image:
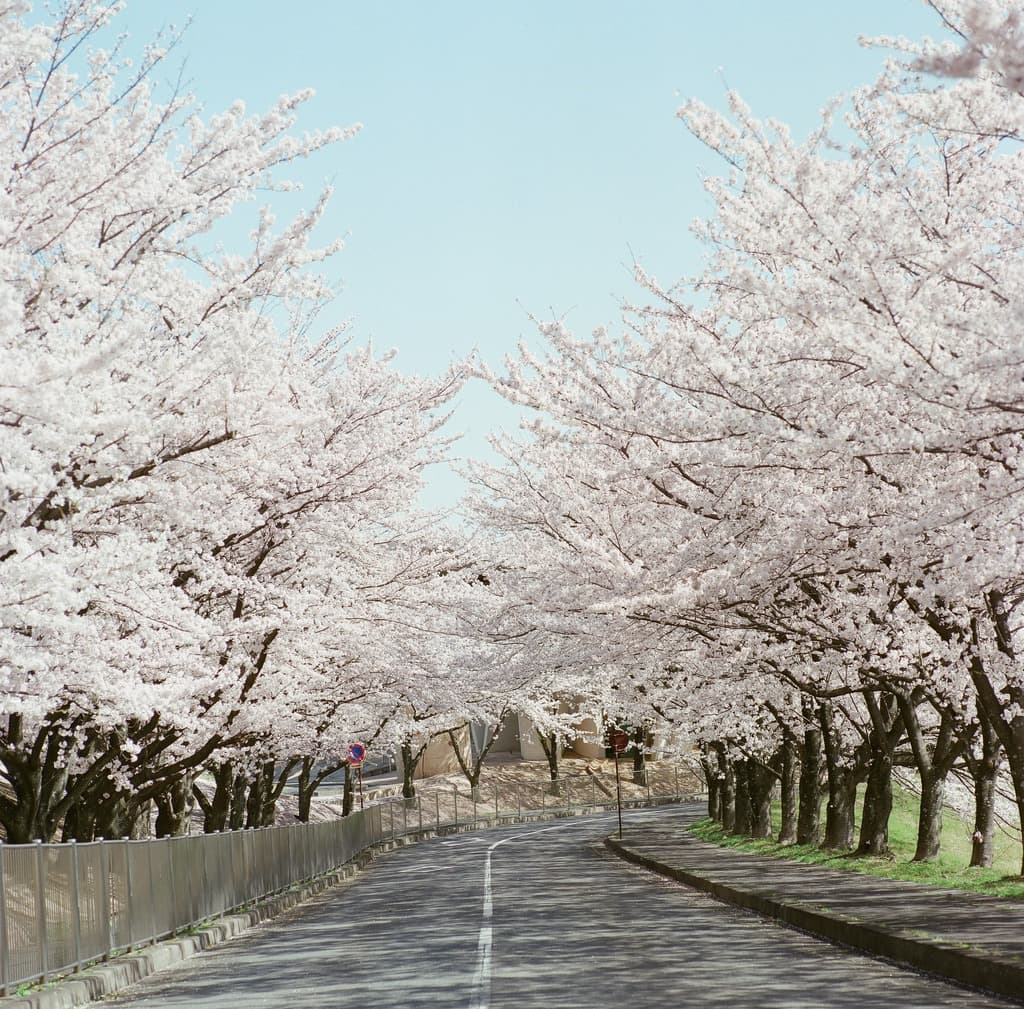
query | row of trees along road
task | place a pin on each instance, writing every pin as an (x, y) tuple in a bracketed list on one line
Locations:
[(209, 556), (783, 507), (778, 514)]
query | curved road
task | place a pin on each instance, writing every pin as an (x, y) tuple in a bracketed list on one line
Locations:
[(531, 917)]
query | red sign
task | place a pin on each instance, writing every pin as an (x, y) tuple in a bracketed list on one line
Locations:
[(356, 754), (618, 740)]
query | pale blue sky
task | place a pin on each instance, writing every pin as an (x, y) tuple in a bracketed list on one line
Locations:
[(515, 157)]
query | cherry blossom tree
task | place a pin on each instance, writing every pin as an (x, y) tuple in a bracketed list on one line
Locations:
[(195, 492)]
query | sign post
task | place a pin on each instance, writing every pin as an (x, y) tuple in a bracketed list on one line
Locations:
[(618, 741), (356, 756)]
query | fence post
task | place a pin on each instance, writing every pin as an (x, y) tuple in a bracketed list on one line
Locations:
[(5, 968), (130, 886), (519, 802), (41, 908), (76, 909), (405, 818), (455, 790), (152, 888), (108, 906), (419, 809), (495, 803)]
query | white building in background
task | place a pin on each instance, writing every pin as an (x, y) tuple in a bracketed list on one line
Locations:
[(519, 738), (516, 738)]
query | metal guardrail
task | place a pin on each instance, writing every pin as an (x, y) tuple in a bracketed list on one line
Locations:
[(63, 906)]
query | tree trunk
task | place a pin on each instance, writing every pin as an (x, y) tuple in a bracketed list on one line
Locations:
[(743, 816), (174, 808), (1006, 716), (111, 815), (929, 822), (348, 795), (712, 783), (788, 791), (842, 788), (217, 808), (261, 803), (985, 771), (808, 824), (874, 826), (886, 730), (239, 794), (639, 756), (36, 772), (409, 760), (550, 745), (728, 785), (934, 760), (305, 789), (760, 785)]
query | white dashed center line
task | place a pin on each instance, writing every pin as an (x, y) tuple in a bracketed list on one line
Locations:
[(482, 975)]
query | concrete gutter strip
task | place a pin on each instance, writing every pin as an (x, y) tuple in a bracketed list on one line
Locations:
[(974, 967)]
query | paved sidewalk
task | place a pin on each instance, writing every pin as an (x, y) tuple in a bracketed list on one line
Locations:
[(966, 937)]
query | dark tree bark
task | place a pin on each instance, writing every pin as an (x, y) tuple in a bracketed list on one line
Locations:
[(409, 761), (1009, 727), (743, 814), (728, 787), (934, 762), (174, 808), (808, 824), (710, 769), (348, 795), (306, 791), (239, 796), (886, 729), (760, 786), (789, 766), (551, 745), (216, 808), (1002, 703), (265, 788), (309, 780), (41, 792), (984, 771), (474, 766), (109, 814), (874, 826), (842, 786), (640, 756)]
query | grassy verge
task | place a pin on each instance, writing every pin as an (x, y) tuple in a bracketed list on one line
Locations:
[(950, 870)]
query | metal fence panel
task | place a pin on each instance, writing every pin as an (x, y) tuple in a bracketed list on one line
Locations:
[(94, 935), (61, 911), (23, 921), (140, 886), (119, 893)]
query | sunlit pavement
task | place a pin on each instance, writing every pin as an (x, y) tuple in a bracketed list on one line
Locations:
[(532, 916)]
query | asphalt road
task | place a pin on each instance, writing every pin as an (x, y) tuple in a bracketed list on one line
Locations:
[(533, 917)]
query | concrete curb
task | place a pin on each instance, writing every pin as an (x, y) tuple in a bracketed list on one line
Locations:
[(964, 965)]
